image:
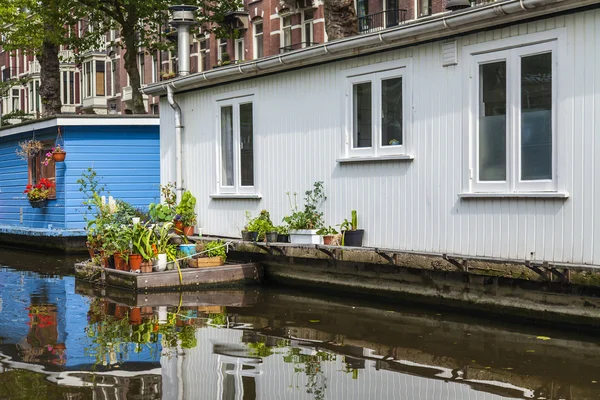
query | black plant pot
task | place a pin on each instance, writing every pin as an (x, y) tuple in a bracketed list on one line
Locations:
[(354, 238), (252, 236), (38, 203), (283, 238), (246, 236), (271, 237)]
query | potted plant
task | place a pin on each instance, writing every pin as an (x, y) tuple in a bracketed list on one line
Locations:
[(351, 235), (186, 213), (257, 228), (303, 225), (328, 234), (39, 193), (57, 154), (122, 247), (282, 233), (250, 232), (29, 148), (165, 250), (138, 233), (210, 254), (144, 244)]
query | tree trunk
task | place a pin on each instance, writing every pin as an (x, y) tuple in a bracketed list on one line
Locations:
[(131, 66), (50, 79), (340, 19)]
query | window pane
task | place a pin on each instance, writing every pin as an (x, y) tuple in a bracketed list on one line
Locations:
[(246, 145), (492, 122), (362, 115), (227, 146), (99, 78), (391, 110), (536, 117)]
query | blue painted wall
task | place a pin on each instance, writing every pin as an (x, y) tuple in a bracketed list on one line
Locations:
[(126, 159)]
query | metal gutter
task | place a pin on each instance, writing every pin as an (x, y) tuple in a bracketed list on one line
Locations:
[(436, 27)]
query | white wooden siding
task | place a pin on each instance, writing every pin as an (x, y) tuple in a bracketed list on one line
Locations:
[(408, 205)]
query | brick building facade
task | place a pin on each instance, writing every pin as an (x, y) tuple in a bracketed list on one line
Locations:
[(99, 84)]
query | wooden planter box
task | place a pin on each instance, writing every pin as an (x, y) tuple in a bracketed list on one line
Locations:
[(205, 262)]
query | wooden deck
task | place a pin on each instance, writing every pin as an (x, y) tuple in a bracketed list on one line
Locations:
[(191, 278)]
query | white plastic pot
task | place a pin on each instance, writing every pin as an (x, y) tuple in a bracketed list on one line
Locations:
[(305, 236), (162, 314), (160, 264)]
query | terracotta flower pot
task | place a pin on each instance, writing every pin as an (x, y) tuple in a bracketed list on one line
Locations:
[(120, 263), (135, 316), (59, 156), (146, 266), (327, 239), (188, 230), (120, 311), (135, 262), (178, 227)]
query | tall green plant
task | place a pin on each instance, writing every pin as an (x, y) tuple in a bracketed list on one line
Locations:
[(310, 217)]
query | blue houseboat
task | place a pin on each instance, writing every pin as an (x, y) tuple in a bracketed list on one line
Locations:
[(124, 151)]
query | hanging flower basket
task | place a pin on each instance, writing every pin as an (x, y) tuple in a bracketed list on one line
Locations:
[(38, 203), (59, 156)]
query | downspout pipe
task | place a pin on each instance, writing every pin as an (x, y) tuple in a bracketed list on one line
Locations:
[(178, 128)]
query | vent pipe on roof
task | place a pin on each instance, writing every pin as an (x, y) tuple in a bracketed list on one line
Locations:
[(453, 5), (182, 18)]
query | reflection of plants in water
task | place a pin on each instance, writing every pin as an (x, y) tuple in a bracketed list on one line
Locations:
[(218, 319), (310, 364), (19, 384), (112, 335)]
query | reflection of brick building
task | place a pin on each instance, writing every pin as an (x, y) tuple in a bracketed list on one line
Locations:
[(267, 27)]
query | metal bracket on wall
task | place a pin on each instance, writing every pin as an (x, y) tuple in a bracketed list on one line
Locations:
[(391, 259), (459, 263), (269, 248), (325, 249)]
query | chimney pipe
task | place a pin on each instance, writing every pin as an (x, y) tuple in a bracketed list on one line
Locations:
[(182, 18)]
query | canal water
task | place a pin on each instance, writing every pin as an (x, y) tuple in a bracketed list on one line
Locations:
[(60, 339)]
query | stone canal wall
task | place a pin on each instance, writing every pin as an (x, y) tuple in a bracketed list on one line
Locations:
[(560, 295)]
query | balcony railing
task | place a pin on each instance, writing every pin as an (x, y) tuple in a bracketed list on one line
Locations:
[(381, 20), (296, 46)]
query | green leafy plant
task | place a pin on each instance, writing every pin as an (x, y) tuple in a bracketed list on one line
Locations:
[(310, 217), (160, 212), (163, 242), (186, 209), (351, 225), (327, 231), (261, 224), (143, 239), (282, 229), (215, 248)]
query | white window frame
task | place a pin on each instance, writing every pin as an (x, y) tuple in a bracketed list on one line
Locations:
[(255, 38), (376, 74), (239, 56), (308, 24), (221, 43), (285, 28), (235, 99), (511, 51)]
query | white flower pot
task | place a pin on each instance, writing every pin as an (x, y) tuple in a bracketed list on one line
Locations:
[(160, 264), (162, 314), (305, 236), (135, 220)]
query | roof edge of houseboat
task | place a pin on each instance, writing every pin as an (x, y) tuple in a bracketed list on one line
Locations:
[(80, 120), (438, 27)]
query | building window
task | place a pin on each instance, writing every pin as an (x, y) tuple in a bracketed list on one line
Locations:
[(87, 73), (100, 79), (423, 8), (202, 55), (286, 33), (258, 40), (222, 50), (155, 68), (141, 65), (378, 110), (239, 49), (513, 100), (307, 27), (16, 100), (38, 169), (236, 145), (113, 76)]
